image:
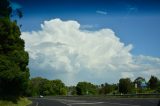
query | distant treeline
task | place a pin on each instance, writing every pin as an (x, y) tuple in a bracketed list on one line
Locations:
[(41, 86)]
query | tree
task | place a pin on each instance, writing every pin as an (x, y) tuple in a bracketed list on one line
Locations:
[(153, 82), (14, 73), (45, 87), (5, 9), (106, 88), (58, 87), (140, 81), (125, 85), (86, 88), (72, 90), (41, 86), (34, 86), (158, 88)]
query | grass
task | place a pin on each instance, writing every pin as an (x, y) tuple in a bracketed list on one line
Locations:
[(20, 102)]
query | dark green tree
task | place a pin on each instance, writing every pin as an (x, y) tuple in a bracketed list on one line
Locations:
[(139, 81), (153, 82), (125, 85), (86, 88), (5, 9), (35, 86), (14, 73), (45, 87), (58, 87)]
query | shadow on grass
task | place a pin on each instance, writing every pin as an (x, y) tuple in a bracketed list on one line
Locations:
[(13, 99)]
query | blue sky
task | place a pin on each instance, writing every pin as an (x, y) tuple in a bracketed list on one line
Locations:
[(134, 22)]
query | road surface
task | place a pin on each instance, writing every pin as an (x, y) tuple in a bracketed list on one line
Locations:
[(88, 102)]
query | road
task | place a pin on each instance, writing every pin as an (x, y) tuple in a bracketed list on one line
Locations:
[(45, 102), (88, 102)]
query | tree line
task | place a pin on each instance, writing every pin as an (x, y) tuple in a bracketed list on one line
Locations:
[(41, 86)]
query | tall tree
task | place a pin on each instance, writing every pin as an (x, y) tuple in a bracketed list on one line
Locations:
[(14, 73), (153, 82), (125, 85), (5, 9)]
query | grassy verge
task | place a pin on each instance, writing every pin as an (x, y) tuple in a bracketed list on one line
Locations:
[(20, 102)]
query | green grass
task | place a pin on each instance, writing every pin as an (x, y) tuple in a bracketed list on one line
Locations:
[(20, 102)]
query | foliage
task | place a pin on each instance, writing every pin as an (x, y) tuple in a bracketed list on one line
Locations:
[(125, 85), (107, 88), (158, 89), (139, 81), (58, 87), (14, 73), (20, 102), (41, 86), (72, 90), (5, 9), (153, 82), (86, 88)]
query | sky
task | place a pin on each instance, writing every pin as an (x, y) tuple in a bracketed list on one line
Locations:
[(91, 40)]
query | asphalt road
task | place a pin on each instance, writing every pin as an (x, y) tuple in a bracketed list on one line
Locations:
[(88, 102), (45, 102)]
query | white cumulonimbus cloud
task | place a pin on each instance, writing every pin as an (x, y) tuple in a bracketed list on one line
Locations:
[(61, 50)]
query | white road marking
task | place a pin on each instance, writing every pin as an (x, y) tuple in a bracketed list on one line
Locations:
[(90, 103), (120, 104)]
